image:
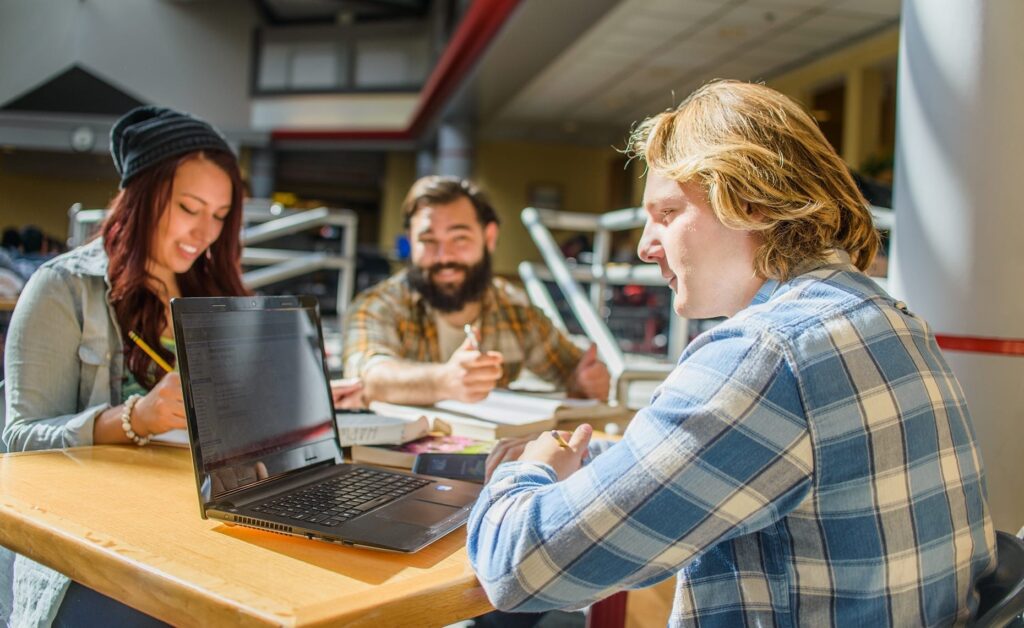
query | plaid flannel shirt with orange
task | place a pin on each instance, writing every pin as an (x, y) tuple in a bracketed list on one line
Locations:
[(391, 321)]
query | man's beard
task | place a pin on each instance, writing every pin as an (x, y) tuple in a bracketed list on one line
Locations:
[(448, 299)]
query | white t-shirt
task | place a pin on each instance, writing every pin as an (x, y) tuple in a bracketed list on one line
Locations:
[(449, 337)]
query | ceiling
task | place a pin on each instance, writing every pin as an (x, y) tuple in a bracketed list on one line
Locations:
[(638, 57)]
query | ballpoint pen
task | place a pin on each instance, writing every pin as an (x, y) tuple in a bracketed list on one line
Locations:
[(472, 336)]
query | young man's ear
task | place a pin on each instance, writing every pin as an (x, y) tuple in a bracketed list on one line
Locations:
[(491, 236), (754, 212)]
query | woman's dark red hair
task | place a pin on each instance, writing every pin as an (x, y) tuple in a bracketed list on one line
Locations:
[(128, 234)]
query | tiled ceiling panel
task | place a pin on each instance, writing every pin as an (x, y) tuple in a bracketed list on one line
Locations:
[(645, 55)]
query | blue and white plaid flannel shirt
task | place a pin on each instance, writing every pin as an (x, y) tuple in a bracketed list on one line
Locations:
[(810, 461)]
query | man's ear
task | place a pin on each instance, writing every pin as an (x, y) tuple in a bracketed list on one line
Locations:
[(754, 212), (491, 236)]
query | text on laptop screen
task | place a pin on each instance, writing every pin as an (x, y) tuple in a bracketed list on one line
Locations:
[(258, 387)]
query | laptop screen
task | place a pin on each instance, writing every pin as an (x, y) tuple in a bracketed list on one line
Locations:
[(256, 391)]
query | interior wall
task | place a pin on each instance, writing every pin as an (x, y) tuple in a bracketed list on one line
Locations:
[(507, 171), (42, 36), (44, 200), (799, 82), (399, 175), (859, 68), (192, 56)]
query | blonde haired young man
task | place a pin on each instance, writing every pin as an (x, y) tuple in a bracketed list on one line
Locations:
[(810, 461)]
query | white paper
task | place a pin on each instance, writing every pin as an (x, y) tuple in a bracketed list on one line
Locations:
[(509, 408), (579, 403), (173, 437)]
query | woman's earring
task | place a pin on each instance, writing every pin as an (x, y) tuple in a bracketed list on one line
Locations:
[(209, 254)]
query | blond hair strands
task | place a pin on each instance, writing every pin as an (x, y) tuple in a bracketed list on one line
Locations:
[(753, 148)]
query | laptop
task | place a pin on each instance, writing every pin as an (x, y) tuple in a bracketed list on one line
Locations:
[(264, 440)]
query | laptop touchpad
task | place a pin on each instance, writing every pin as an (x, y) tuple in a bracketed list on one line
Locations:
[(417, 512)]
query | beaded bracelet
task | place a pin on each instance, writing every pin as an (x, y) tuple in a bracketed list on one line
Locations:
[(126, 421)]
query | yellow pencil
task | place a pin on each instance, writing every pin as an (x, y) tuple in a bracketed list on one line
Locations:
[(149, 351), (558, 437)]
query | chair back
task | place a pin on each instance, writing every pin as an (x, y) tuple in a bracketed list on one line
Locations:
[(1002, 591)]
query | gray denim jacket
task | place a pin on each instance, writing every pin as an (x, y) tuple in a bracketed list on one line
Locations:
[(63, 362), (63, 358)]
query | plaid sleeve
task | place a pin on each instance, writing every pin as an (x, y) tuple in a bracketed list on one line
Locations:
[(370, 333), (723, 450), (549, 353)]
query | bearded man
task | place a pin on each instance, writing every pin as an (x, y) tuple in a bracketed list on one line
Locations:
[(405, 338)]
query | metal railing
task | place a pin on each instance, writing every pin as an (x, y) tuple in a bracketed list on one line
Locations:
[(600, 274), (265, 221)]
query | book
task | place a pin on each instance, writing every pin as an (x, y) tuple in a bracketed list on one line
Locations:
[(173, 438), (448, 422), (404, 455), (366, 428), (506, 414), (510, 408)]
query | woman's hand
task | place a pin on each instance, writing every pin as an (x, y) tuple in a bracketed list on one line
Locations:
[(162, 409)]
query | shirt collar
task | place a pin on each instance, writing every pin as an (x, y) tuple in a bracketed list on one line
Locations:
[(92, 259), (765, 292), (832, 257)]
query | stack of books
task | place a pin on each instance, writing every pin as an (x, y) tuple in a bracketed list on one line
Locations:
[(394, 441), (393, 434), (405, 454)]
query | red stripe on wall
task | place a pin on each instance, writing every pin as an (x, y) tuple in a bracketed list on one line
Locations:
[(973, 344)]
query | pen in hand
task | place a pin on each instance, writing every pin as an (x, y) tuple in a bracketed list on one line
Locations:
[(472, 336), (149, 351)]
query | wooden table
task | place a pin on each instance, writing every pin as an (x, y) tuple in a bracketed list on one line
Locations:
[(125, 521)]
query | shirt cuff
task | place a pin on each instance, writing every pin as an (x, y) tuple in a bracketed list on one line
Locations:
[(524, 472), (368, 362), (80, 427)]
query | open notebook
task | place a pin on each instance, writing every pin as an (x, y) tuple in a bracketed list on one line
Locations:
[(507, 407), (503, 414)]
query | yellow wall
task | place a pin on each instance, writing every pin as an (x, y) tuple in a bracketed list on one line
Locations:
[(399, 175), (44, 201), (857, 65), (507, 170), (799, 82)]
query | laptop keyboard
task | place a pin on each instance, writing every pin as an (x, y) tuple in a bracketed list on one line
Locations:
[(334, 501)]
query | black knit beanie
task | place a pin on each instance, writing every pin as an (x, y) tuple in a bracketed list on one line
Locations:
[(145, 136)]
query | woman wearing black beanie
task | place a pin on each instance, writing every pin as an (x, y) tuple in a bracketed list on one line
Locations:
[(74, 377)]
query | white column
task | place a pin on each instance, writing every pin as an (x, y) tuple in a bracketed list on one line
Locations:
[(261, 172), (425, 162), (958, 255), (455, 149)]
